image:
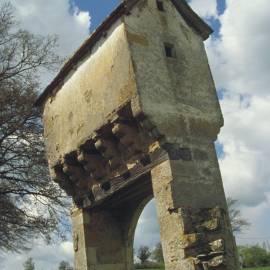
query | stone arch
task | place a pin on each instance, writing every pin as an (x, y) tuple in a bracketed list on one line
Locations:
[(133, 209), (134, 221), (147, 232), (105, 235)]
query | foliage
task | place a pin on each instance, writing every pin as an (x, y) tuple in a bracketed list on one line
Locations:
[(157, 254), (64, 266), (143, 254), (149, 265), (29, 264), (254, 256), (237, 221), (29, 201), (258, 268)]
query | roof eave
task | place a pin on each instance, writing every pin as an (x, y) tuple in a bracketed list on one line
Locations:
[(192, 18)]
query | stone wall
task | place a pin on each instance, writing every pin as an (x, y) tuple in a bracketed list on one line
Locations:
[(177, 93), (100, 84)]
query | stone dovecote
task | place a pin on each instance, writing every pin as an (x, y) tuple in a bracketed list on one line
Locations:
[(133, 115)]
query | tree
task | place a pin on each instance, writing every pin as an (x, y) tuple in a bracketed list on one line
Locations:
[(144, 254), (237, 221), (64, 266), (29, 201), (254, 256), (157, 254), (29, 264)]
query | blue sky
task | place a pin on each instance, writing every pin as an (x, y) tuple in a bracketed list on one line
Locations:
[(239, 58), (98, 9)]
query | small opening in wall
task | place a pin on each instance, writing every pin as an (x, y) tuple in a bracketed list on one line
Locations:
[(106, 186), (126, 175), (169, 50), (160, 5), (146, 160)]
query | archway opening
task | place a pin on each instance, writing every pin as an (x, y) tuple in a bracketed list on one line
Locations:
[(147, 237)]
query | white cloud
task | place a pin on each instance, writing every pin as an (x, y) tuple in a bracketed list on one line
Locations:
[(205, 8), (67, 248), (259, 217), (62, 18), (147, 231), (82, 17), (44, 256), (240, 62), (245, 137), (240, 58)]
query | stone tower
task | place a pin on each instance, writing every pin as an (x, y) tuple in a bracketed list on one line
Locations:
[(133, 115)]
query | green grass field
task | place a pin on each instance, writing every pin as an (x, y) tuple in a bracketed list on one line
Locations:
[(259, 268)]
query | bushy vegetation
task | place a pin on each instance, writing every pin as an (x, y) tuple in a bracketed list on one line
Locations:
[(253, 256), (150, 259), (149, 265), (259, 268)]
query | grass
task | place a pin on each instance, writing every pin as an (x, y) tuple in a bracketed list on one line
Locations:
[(258, 268)]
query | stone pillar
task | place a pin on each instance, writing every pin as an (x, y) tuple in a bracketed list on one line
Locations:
[(103, 239), (192, 212), (98, 241)]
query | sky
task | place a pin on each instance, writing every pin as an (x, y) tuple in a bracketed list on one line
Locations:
[(239, 58)]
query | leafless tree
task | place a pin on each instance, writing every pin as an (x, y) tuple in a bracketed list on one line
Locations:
[(64, 266), (29, 201), (29, 264), (237, 221), (143, 254)]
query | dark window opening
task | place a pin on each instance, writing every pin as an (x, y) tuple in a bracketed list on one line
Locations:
[(169, 50), (106, 186), (146, 160), (160, 5)]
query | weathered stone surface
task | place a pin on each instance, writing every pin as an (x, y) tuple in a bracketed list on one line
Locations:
[(105, 74), (137, 118)]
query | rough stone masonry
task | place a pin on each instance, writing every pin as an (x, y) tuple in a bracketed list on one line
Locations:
[(133, 115)]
